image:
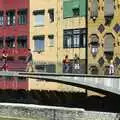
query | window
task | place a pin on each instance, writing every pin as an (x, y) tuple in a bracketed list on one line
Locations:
[(51, 40), (108, 11), (22, 42), (51, 15), (22, 16), (1, 42), (1, 18), (75, 38), (94, 9), (10, 17), (39, 17), (76, 12), (39, 43), (10, 42)]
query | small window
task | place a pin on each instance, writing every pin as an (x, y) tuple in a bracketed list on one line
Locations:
[(51, 15), (39, 17), (22, 42), (1, 18), (76, 12), (51, 40), (39, 43), (10, 17), (10, 42), (22, 16)]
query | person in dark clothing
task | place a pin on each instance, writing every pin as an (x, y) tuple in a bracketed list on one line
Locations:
[(4, 59), (29, 61)]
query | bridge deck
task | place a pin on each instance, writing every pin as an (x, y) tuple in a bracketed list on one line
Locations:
[(105, 84)]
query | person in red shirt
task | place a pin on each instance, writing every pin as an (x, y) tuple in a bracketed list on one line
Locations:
[(66, 63)]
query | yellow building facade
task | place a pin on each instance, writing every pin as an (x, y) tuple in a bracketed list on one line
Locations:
[(47, 29), (103, 36)]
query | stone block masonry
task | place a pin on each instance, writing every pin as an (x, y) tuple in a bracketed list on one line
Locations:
[(35, 112)]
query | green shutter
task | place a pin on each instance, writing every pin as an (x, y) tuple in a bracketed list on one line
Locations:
[(67, 9), (75, 4), (82, 8)]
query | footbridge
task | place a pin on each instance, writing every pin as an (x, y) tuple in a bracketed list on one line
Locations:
[(97, 83)]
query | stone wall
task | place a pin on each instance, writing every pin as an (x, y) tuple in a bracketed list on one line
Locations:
[(52, 113)]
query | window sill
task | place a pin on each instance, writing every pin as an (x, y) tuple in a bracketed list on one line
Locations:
[(39, 25), (51, 45), (39, 51)]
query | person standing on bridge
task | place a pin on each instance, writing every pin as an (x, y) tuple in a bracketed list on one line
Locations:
[(29, 61), (111, 68), (66, 64), (76, 65), (4, 59)]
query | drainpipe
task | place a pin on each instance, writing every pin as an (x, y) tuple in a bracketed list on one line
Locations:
[(86, 50)]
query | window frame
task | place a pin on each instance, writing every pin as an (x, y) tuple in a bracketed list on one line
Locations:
[(22, 16), (39, 14), (51, 15), (39, 38), (70, 34), (10, 17), (22, 39)]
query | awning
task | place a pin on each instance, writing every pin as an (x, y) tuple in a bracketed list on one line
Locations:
[(38, 37), (109, 8), (108, 43), (22, 11), (36, 12), (94, 8)]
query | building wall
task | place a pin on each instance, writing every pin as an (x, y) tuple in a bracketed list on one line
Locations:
[(49, 54), (15, 30), (93, 29), (72, 22), (55, 54)]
